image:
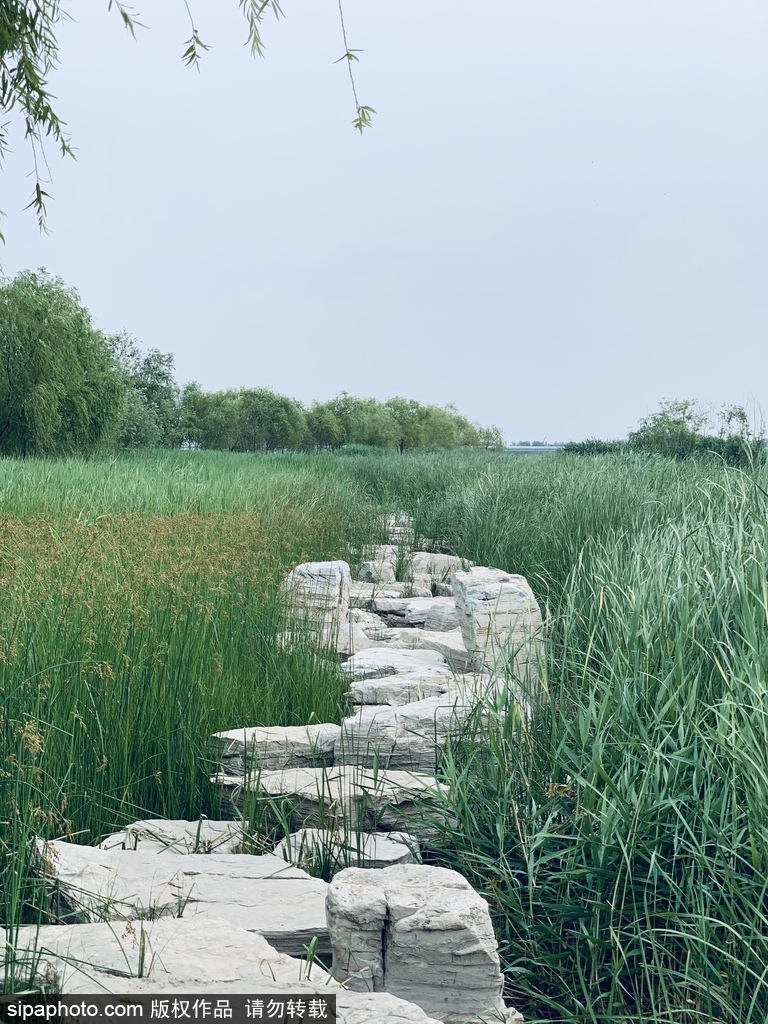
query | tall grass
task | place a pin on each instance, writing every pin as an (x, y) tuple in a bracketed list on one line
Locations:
[(620, 835), (623, 840)]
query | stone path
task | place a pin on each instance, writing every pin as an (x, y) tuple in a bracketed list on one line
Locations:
[(419, 652)]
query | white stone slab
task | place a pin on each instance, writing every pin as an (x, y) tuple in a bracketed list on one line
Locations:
[(408, 737), (159, 835), (402, 688), (276, 747), (348, 849), (262, 894), (419, 932), (385, 661)]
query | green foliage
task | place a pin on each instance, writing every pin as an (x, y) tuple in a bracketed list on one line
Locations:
[(29, 52), (682, 429), (246, 420), (594, 446), (151, 412), (619, 835), (60, 389)]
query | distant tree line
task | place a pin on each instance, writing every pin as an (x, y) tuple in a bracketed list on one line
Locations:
[(686, 429), (67, 388)]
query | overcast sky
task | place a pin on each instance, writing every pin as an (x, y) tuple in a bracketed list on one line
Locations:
[(557, 219)]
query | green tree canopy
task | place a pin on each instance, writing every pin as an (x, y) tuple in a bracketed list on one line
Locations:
[(61, 390), (151, 413)]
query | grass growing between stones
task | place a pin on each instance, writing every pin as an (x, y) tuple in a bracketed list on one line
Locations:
[(621, 837)]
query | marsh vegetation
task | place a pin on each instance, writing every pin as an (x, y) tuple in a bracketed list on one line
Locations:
[(621, 838)]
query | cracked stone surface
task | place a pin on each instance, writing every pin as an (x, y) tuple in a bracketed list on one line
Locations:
[(419, 932), (351, 798), (261, 894), (436, 613), (159, 835), (276, 747), (402, 688), (181, 956), (318, 598), (343, 849), (500, 620), (386, 661), (405, 737)]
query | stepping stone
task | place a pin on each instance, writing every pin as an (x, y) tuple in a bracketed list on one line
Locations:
[(317, 597), (362, 594), (500, 621), (450, 644), (349, 798), (275, 747), (159, 835), (261, 894), (189, 956), (382, 572), (170, 952), (421, 933), (408, 737), (436, 613), (403, 688), (348, 849), (385, 661)]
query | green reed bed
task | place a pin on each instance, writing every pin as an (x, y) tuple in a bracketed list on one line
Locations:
[(127, 638), (620, 834)]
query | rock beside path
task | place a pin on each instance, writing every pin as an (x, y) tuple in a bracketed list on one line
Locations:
[(500, 621), (258, 893), (276, 747), (317, 598), (421, 933)]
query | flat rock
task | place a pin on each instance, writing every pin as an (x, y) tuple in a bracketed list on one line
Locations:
[(350, 798), (187, 956), (385, 661), (402, 688), (408, 737), (362, 594), (261, 894), (376, 572), (500, 621), (419, 932), (170, 953), (276, 747), (343, 849), (438, 567), (159, 835)]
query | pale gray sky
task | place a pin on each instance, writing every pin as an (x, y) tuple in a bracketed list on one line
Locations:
[(557, 219)]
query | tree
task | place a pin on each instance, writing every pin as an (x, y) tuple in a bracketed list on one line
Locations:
[(150, 417), (268, 421), (61, 391), (672, 430), (29, 53)]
